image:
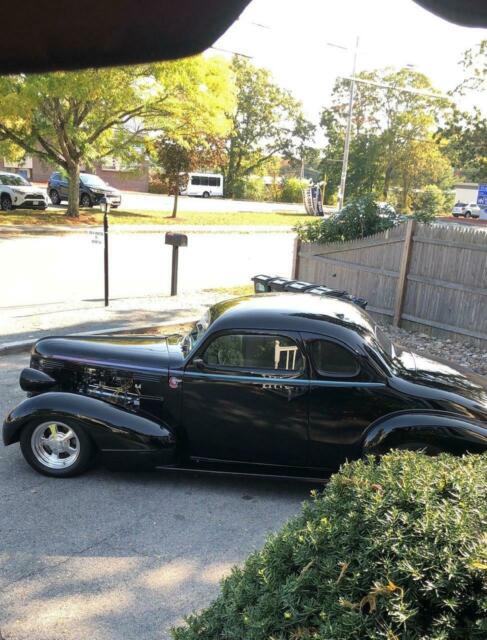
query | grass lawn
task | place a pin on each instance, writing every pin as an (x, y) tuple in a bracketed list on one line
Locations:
[(140, 217)]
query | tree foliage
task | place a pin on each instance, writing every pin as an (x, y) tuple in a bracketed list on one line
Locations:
[(267, 122), (78, 118), (389, 551), (392, 134)]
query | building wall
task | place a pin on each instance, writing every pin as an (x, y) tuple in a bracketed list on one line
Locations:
[(466, 192), (124, 180)]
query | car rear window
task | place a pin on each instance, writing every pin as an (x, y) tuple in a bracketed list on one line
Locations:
[(330, 359)]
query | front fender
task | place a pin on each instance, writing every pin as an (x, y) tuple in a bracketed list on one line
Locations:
[(439, 429), (111, 428)]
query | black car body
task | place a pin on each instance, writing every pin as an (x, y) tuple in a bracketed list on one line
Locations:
[(286, 384), (92, 190)]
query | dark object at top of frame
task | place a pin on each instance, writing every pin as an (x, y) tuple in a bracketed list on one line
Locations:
[(48, 35)]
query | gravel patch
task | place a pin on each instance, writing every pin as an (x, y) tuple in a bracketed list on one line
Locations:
[(465, 354)]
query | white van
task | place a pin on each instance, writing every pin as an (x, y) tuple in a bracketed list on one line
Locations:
[(203, 184)]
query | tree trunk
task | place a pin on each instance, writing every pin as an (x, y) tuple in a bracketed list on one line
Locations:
[(73, 191), (175, 205), (387, 181)]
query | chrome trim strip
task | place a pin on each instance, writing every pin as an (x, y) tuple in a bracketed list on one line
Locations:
[(283, 382)]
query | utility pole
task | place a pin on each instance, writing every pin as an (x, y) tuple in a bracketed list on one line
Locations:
[(346, 150)]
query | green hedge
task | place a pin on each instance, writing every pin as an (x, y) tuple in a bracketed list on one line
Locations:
[(390, 551)]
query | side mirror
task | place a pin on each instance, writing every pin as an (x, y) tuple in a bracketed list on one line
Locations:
[(199, 363)]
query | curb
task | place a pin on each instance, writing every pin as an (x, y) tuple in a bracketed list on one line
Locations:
[(19, 346)]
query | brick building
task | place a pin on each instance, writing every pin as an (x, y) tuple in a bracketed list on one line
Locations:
[(36, 170)]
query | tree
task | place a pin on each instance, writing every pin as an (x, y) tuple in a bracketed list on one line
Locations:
[(76, 118), (389, 126), (266, 122), (178, 158), (465, 137), (464, 133)]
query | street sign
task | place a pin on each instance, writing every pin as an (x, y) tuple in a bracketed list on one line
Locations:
[(482, 195)]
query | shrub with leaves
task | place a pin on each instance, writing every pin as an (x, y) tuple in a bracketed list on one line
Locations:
[(359, 218), (429, 203), (389, 551)]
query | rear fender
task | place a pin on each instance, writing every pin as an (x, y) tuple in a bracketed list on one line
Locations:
[(441, 430), (111, 428)]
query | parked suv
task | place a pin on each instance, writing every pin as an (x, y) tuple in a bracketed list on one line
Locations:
[(467, 210), (17, 192), (91, 190)]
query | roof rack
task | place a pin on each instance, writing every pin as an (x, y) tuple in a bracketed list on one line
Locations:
[(266, 284)]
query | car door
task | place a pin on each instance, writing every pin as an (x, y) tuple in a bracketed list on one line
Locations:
[(245, 399), (346, 396), (63, 186)]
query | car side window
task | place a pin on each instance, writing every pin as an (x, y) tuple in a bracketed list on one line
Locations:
[(330, 359), (269, 353)]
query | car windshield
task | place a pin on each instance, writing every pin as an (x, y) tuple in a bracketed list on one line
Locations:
[(14, 181), (92, 181), (196, 334)]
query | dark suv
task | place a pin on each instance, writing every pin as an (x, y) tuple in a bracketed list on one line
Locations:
[(91, 190)]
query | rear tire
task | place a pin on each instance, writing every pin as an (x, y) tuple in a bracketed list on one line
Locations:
[(57, 447), (6, 203), (206, 194)]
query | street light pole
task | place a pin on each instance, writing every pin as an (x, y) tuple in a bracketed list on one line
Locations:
[(346, 150)]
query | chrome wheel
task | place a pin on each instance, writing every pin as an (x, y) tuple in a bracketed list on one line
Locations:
[(55, 445), (85, 200)]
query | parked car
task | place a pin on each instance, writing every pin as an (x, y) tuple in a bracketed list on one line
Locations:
[(286, 384), (91, 190), (466, 209), (17, 192)]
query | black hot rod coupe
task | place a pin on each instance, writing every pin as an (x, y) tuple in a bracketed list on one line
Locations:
[(282, 383)]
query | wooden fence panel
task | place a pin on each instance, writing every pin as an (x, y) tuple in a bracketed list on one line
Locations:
[(445, 283)]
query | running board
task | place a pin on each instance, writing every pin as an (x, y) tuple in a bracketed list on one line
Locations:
[(241, 474)]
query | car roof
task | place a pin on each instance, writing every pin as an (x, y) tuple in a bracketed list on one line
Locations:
[(294, 312), (9, 173)]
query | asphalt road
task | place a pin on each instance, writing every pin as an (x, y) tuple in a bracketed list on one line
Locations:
[(108, 556)]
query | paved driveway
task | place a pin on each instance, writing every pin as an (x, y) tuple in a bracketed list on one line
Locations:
[(120, 556)]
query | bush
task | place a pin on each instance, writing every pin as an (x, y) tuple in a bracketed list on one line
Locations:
[(292, 190), (359, 218), (428, 203), (390, 551)]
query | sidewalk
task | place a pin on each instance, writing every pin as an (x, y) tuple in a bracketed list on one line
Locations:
[(21, 326)]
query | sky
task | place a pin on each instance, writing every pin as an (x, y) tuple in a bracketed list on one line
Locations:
[(292, 43)]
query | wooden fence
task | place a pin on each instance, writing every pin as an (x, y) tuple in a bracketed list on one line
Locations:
[(432, 278)]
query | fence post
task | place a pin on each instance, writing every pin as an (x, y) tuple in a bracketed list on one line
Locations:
[(297, 249), (403, 272)]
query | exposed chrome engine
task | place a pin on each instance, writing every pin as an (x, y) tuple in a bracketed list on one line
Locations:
[(117, 389)]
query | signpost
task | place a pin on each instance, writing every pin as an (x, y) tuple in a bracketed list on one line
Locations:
[(105, 207)]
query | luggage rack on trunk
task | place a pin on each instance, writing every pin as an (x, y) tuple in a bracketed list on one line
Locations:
[(265, 284)]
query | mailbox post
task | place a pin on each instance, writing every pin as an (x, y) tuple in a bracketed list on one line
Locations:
[(176, 240)]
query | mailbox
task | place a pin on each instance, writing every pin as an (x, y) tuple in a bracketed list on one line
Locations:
[(176, 239)]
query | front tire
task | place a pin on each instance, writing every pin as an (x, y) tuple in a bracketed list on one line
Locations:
[(85, 200), (6, 203), (55, 197), (58, 448), (206, 194)]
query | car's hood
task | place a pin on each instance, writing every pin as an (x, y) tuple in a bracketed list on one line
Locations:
[(106, 189), (28, 189), (131, 353), (443, 375)]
